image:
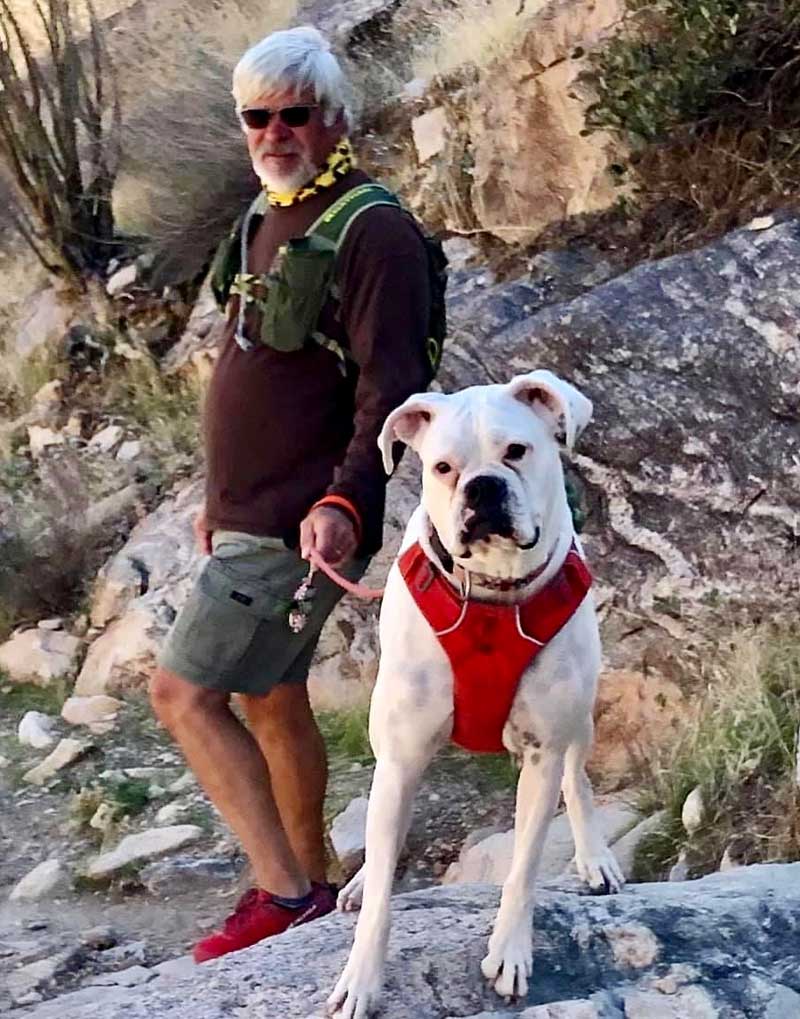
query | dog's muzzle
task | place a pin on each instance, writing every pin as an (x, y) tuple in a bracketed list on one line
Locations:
[(486, 496)]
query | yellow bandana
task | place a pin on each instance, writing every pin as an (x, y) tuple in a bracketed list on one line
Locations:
[(340, 162)]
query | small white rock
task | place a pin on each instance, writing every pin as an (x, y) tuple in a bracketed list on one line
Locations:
[(67, 751), (183, 784), (728, 862), (122, 279), (35, 730), (4, 761), (349, 833), (41, 881), (129, 450), (761, 223), (171, 813), (143, 846), (107, 439), (39, 656), (693, 810), (56, 623), (103, 817), (89, 710), (75, 425), (41, 439)]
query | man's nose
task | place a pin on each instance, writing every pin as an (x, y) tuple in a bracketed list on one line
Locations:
[(276, 130)]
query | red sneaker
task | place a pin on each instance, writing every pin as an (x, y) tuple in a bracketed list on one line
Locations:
[(257, 917)]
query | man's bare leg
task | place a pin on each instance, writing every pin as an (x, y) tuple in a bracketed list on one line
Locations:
[(290, 740), (231, 768)]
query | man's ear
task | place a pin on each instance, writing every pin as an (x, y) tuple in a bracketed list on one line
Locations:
[(408, 424), (555, 401)]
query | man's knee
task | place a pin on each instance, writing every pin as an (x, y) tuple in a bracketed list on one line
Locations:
[(282, 714), (173, 697)]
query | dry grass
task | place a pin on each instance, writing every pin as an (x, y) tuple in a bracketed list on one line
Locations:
[(185, 174), (46, 553), (166, 409), (741, 752), (474, 34)]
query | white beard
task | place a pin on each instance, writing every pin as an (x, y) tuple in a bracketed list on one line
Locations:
[(285, 182)]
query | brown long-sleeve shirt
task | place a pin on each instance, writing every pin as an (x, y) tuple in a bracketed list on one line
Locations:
[(284, 429)]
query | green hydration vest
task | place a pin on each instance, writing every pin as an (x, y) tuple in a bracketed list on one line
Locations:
[(289, 299)]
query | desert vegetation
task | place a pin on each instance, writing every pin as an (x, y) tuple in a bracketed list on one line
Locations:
[(740, 752), (705, 94)]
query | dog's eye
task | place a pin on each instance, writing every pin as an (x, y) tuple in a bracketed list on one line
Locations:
[(443, 467), (516, 451)]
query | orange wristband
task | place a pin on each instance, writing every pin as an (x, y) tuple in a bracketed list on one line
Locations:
[(347, 506)]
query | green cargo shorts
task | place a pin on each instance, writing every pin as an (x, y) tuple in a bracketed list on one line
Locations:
[(233, 632)]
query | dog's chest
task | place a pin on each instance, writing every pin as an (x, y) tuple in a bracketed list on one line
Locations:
[(490, 646)]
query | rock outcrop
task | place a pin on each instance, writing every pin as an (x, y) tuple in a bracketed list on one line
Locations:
[(693, 457), (533, 165), (723, 947)]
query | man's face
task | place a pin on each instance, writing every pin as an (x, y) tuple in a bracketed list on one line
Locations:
[(284, 158)]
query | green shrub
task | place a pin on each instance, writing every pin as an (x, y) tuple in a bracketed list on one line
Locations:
[(741, 752), (346, 733), (706, 93)]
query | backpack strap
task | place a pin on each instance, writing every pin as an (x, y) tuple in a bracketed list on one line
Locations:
[(335, 221), (331, 229), (226, 264)]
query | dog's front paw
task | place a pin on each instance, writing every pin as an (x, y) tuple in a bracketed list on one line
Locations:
[(509, 961), (357, 991), (351, 896), (601, 872)]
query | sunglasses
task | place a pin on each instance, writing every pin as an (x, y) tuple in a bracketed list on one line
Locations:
[(257, 118)]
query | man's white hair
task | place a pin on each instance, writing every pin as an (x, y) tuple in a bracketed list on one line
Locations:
[(295, 60)]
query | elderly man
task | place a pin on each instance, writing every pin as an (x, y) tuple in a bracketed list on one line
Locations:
[(293, 412)]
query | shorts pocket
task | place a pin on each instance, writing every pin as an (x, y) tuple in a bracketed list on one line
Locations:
[(219, 621)]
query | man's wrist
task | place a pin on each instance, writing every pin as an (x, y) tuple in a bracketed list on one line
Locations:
[(341, 503)]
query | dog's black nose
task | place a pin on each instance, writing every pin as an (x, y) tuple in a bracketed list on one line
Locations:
[(484, 492)]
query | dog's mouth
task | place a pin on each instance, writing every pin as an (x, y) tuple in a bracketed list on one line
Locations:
[(484, 528)]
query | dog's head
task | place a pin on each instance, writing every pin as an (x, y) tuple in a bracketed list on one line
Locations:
[(493, 484)]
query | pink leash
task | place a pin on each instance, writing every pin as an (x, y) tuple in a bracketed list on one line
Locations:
[(359, 590)]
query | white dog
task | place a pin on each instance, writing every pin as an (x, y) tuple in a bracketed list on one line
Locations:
[(493, 527)]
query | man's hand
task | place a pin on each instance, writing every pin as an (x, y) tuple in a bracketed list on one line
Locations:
[(330, 532), (202, 534)]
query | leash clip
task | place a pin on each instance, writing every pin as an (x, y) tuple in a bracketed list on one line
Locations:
[(301, 606)]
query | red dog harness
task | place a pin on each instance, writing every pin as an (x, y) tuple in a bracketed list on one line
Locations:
[(490, 646)]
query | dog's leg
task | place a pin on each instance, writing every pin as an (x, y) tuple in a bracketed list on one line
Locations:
[(352, 895), (509, 959), (594, 860), (393, 786)]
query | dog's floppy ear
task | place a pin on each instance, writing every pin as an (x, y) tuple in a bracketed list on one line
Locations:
[(559, 403), (408, 423)]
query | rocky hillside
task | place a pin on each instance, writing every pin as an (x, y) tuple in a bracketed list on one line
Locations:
[(112, 861)]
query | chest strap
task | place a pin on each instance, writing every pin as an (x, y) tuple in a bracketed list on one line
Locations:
[(490, 646)]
